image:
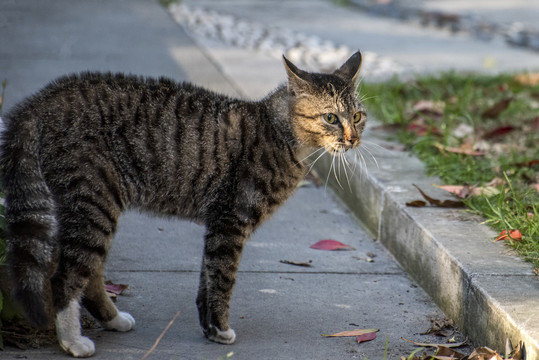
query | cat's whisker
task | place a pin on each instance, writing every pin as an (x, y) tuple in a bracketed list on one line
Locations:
[(373, 158), (375, 145), (311, 154), (346, 164), (315, 160)]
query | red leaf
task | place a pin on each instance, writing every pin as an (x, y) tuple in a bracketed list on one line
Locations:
[(329, 244), (366, 337), (499, 131), (512, 235), (116, 289)]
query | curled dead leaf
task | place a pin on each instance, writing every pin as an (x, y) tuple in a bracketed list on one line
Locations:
[(484, 353), (439, 203), (509, 235), (416, 203)]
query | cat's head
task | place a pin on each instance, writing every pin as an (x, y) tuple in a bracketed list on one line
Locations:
[(325, 108)]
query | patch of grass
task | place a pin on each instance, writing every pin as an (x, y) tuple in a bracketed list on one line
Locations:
[(444, 119)]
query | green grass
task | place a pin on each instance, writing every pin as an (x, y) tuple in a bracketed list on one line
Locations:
[(461, 100)]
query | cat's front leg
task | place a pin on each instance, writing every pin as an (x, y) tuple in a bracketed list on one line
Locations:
[(222, 254)]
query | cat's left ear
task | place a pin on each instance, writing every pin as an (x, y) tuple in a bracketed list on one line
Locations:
[(297, 79), (349, 71)]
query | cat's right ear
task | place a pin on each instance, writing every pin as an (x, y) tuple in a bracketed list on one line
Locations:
[(297, 79)]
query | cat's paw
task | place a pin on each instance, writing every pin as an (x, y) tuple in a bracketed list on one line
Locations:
[(80, 347), (224, 337), (122, 322)]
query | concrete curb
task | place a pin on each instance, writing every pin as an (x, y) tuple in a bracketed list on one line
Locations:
[(481, 285)]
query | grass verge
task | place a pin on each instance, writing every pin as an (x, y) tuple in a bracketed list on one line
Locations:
[(477, 132)]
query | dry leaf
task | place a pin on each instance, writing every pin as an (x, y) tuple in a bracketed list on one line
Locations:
[(116, 289), (495, 110), (429, 106), (455, 345), (499, 131), (465, 191), (512, 235), (439, 203), (529, 79), (357, 332), (416, 203), (331, 245), (444, 351), (366, 337), (484, 353), (305, 264), (464, 149)]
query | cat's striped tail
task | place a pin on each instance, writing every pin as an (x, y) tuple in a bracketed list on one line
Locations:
[(30, 217)]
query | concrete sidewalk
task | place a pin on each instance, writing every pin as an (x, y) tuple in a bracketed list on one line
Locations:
[(484, 287), (279, 311)]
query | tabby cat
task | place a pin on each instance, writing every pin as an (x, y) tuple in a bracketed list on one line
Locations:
[(87, 147)]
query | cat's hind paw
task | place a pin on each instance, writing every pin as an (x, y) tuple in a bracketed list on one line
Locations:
[(80, 347), (224, 337), (122, 322)]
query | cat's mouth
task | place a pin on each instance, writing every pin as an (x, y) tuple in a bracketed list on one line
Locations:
[(340, 148)]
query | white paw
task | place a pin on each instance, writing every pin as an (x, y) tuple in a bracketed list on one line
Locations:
[(224, 337), (80, 347), (122, 322)]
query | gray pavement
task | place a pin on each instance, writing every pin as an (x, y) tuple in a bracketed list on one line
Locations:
[(279, 310)]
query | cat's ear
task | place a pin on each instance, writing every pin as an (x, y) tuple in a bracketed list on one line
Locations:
[(349, 71), (297, 79)]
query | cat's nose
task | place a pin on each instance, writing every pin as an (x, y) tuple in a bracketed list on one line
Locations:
[(352, 140)]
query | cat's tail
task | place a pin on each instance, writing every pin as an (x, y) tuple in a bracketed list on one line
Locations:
[(30, 217)]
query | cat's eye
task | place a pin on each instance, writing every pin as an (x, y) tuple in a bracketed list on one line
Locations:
[(331, 118), (358, 116)]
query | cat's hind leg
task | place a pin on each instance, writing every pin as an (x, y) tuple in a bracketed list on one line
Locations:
[(69, 332), (98, 303)]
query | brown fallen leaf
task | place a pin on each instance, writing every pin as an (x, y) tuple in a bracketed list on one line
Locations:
[(416, 203), (465, 191), (305, 264), (329, 244), (484, 353), (495, 110), (448, 353), (511, 235), (461, 150), (454, 345), (528, 79), (439, 203), (429, 107), (357, 332)]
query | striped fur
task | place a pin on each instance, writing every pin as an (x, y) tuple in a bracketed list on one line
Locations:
[(89, 146)]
